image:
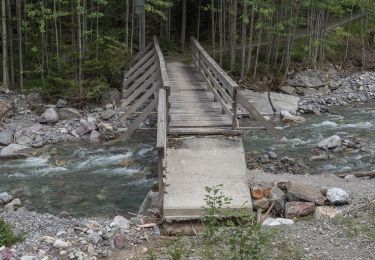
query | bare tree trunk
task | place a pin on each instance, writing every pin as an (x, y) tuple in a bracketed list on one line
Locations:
[(19, 32), (243, 42), (80, 47), (221, 29), (183, 25), (127, 24), (233, 32), (250, 48), (199, 19), (10, 46), (5, 47), (56, 32), (213, 25)]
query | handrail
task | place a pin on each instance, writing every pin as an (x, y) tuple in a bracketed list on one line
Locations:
[(219, 82), (163, 107)]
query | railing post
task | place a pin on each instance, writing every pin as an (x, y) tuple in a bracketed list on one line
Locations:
[(234, 108)]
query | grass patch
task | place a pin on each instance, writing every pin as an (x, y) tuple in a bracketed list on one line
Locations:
[(354, 227), (7, 237)]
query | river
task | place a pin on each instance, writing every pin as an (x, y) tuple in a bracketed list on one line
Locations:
[(98, 180)]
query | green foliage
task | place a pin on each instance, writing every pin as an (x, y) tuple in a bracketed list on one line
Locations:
[(176, 250), (354, 227), (7, 237)]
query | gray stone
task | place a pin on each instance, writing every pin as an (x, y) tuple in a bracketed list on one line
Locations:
[(278, 197), (5, 197), (288, 90), (12, 149), (6, 137), (150, 202), (38, 142), (9, 208), (95, 237), (111, 96), (61, 103), (24, 140), (287, 117), (330, 143), (107, 131), (35, 128), (49, 116), (262, 204), (60, 244), (95, 136), (108, 114), (29, 257), (68, 113), (337, 196), (119, 241), (309, 79), (86, 127), (271, 222), (122, 222)]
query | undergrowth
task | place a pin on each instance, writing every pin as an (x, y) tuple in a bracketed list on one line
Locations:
[(7, 237)]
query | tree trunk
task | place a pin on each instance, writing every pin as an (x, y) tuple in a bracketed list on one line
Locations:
[(198, 19), (183, 25), (19, 32), (127, 24), (79, 36), (213, 25), (243, 42), (10, 45), (5, 47), (233, 32)]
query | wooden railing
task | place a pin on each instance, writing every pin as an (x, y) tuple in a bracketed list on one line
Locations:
[(147, 83), (226, 90), (218, 81)]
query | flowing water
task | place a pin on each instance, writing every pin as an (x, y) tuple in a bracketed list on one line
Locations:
[(84, 179), (302, 139), (96, 180)]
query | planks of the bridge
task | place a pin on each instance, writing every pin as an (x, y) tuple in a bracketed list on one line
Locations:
[(199, 162), (193, 110)]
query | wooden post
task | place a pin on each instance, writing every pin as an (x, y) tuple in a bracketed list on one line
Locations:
[(234, 109)]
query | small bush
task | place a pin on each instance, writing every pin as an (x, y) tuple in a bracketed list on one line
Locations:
[(7, 237)]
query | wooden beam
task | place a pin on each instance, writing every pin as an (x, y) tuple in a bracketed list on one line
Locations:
[(258, 116), (140, 119)]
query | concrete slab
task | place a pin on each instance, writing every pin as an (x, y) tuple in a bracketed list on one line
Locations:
[(194, 163)]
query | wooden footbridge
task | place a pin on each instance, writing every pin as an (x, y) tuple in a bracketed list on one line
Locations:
[(198, 141)]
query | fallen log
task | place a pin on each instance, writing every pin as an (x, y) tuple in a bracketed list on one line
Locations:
[(357, 174)]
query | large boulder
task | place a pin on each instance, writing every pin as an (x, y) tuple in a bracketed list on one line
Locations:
[(68, 113), (61, 103), (330, 143), (6, 137), (309, 79), (12, 149), (4, 108), (305, 193), (325, 212), (111, 96), (24, 140), (49, 116)]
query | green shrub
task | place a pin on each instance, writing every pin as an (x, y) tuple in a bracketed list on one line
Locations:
[(7, 237)]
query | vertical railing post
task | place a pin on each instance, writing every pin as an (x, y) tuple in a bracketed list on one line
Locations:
[(234, 108)]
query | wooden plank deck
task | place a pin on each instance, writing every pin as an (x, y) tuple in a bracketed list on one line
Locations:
[(192, 106)]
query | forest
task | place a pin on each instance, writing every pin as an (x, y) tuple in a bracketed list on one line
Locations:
[(77, 49)]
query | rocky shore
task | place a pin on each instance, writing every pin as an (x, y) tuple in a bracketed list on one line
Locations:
[(27, 122)]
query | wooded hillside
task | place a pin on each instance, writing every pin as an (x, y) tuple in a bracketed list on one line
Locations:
[(79, 48)]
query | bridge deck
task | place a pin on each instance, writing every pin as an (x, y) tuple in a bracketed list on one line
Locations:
[(192, 108), (193, 163)]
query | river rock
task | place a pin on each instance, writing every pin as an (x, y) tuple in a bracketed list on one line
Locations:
[(4, 107), (262, 204), (95, 237), (306, 193), (271, 222), (12, 149), (61, 244), (49, 116), (61, 103), (308, 79), (119, 241), (95, 136), (108, 114), (259, 192), (337, 196), (150, 204), (330, 143), (325, 212), (10, 207), (24, 140), (68, 113), (121, 222), (5, 197), (107, 131), (29, 257), (6, 137), (288, 117), (111, 96), (298, 209), (86, 127), (278, 197)]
